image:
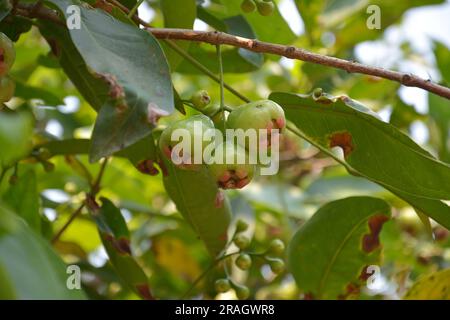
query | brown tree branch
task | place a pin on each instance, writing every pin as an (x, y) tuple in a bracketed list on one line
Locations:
[(215, 37)]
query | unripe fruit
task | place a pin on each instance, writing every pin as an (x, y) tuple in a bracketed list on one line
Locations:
[(200, 99), (248, 6), (242, 292), (263, 114), (222, 285), (229, 164), (276, 265), (7, 54), (276, 247), (184, 157), (241, 225), (7, 87), (265, 8), (241, 241), (243, 261)]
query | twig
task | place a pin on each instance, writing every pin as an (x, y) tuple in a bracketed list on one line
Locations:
[(72, 217), (95, 188), (134, 9), (216, 37)]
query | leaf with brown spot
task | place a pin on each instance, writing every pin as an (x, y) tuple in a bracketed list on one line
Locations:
[(342, 140), (140, 75), (434, 286), (326, 255), (371, 241), (373, 149), (116, 240)]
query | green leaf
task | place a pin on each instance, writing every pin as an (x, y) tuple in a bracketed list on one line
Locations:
[(195, 194), (238, 26), (434, 286), (234, 60), (442, 54), (141, 154), (34, 271), (374, 142), (271, 28), (404, 114), (439, 110), (66, 147), (372, 148), (28, 92), (139, 80), (330, 252), (94, 90), (14, 26), (16, 129), (5, 8), (116, 240), (22, 196), (178, 14)]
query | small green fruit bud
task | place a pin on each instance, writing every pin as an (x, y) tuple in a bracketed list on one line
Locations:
[(276, 265), (244, 261), (242, 292), (241, 225), (200, 99), (241, 241), (265, 8), (222, 285), (248, 6), (276, 247)]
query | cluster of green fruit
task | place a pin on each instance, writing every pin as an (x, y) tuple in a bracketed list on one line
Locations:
[(7, 57), (244, 260), (264, 7), (229, 173)]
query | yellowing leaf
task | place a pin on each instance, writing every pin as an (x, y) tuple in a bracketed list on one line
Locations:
[(435, 286), (172, 254)]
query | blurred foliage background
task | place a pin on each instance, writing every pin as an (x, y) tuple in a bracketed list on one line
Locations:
[(48, 191)]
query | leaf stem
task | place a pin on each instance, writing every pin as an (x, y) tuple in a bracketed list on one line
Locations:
[(134, 9), (95, 188), (72, 217), (222, 96)]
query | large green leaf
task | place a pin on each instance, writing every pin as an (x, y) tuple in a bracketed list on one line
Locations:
[(116, 240), (93, 89), (197, 198), (372, 149), (133, 65), (329, 253), (22, 196), (33, 270)]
